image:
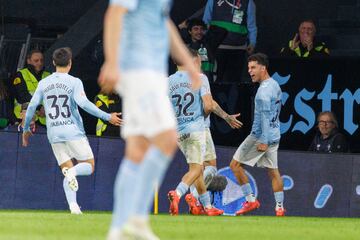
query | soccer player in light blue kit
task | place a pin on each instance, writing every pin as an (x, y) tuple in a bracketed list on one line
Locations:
[(61, 94), (190, 108), (209, 159), (261, 146), (137, 38)]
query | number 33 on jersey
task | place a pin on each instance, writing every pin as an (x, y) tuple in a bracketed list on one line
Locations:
[(61, 94)]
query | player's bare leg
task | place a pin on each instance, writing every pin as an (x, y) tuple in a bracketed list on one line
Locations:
[(204, 199), (251, 202), (239, 172), (209, 173), (195, 170)]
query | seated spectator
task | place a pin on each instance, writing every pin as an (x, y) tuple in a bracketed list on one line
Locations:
[(304, 44), (206, 43), (328, 139), (108, 103)]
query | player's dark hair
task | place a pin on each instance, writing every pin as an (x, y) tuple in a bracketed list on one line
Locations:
[(195, 22), (62, 56), (260, 58)]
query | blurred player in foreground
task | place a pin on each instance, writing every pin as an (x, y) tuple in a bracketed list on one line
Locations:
[(137, 38)]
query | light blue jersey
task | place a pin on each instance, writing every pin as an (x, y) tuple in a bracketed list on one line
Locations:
[(187, 104), (206, 90), (266, 125), (61, 94), (144, 39)]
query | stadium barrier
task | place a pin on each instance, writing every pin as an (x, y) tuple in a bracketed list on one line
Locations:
[(316, 184)]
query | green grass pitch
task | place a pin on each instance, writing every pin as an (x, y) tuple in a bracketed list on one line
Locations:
[(60, 225)]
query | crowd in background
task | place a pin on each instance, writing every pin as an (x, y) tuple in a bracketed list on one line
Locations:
[(224, 37)]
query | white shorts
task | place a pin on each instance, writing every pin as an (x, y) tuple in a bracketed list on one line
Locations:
[(210, 153), (192, 145), (78, 149), (249, 155), (147, 110)]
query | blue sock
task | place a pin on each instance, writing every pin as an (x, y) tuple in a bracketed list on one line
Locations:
[(181, 189), (205, 200), (69, 194), (279, 199), (82, 169), (246, 189), (151, 172), (125, 182), (194, 191)]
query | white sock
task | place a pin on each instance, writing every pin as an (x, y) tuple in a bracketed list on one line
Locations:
[(70, 194), (250, 198)]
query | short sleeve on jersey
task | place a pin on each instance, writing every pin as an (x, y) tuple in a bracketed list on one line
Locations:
[(128, 4), (205, 86)]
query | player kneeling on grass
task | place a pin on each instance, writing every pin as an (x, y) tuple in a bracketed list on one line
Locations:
[(261, 146), (189, 107), (61, 94)]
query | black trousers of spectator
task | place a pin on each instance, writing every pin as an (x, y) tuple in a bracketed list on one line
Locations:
[(230, 65)]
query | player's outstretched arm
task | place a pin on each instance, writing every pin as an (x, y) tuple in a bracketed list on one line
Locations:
[(115, 119), (207, 104), (109, 73), (181, 55), (83, 102), (230, 119)]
